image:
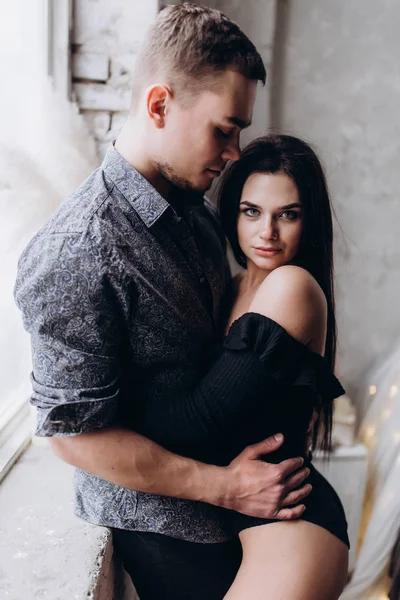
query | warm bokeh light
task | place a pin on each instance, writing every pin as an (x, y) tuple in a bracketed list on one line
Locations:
[(370, 431)]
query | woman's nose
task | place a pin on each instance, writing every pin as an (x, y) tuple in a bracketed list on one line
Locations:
[(269, 231)]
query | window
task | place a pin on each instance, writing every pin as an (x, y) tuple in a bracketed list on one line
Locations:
[(34, 41)]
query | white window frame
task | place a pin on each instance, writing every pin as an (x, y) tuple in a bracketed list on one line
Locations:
[(15, 434), (59, 18), (55, 31)]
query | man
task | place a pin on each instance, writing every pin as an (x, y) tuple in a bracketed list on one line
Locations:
[(124, 291)]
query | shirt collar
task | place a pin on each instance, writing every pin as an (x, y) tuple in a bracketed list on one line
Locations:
[(139, 192)]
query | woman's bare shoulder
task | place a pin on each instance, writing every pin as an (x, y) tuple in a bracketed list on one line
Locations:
[(290, 272), (291, 296), (291, 279)]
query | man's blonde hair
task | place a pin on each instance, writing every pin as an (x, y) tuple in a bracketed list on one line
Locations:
[(189, 45)]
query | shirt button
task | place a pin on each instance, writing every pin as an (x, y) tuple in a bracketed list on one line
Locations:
[(202, 280)]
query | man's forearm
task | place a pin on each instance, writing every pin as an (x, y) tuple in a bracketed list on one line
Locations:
[(248, 485), (130, 460)]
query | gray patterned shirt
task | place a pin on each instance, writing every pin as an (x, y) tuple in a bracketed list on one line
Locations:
[(123, 296)]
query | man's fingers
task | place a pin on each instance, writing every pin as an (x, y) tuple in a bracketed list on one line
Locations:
[(295, 481), (286, 514), (264, 447), (287, 467), (297, 496)]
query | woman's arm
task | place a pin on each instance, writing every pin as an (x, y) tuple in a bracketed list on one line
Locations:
[(237, 396), (232, 407)]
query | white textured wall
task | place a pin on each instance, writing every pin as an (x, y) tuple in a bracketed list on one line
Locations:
[(338, 84), (106, 37), (257, 19)]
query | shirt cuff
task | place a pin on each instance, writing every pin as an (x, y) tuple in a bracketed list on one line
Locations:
[(63, 412)]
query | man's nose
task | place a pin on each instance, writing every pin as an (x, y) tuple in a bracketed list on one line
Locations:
[(231, 150)]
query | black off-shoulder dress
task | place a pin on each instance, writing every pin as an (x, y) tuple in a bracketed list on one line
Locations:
[(263, 381)]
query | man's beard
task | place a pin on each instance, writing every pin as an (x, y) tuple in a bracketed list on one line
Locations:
[(183, 184)]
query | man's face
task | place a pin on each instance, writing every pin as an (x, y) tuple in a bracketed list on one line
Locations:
[(198, 141)]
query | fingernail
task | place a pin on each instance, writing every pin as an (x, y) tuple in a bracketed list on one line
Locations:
[(278, 437), (308, 472)]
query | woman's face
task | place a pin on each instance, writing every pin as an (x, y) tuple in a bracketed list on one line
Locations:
[(270, 220)]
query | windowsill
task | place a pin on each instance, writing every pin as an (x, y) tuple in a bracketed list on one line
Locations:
[(47, 551)]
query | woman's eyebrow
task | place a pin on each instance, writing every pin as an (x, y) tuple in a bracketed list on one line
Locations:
[(251, 204), (287, 206)]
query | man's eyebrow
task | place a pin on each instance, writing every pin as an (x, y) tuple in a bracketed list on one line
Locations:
[(239, 122)]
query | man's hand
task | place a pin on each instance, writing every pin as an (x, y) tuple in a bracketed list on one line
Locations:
[(266, 490)]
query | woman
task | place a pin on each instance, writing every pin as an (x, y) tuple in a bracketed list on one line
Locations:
[(282, 235), (275, 211)]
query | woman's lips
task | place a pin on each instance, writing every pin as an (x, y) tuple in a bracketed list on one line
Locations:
[(265, 251)]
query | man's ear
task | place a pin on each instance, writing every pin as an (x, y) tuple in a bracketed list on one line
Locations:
[(157, 98)]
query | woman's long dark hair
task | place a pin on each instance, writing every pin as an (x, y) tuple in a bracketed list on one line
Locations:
[(292, 156)]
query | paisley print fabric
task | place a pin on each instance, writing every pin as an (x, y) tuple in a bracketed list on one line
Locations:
[(123, 296)]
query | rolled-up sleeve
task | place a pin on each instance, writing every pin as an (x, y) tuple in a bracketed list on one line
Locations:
[(65, 292)]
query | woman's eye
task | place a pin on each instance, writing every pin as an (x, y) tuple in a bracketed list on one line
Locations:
[(289, 214), (251, 212)]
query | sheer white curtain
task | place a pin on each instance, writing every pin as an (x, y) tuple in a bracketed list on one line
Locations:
[(380, 431), (45, 153)]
